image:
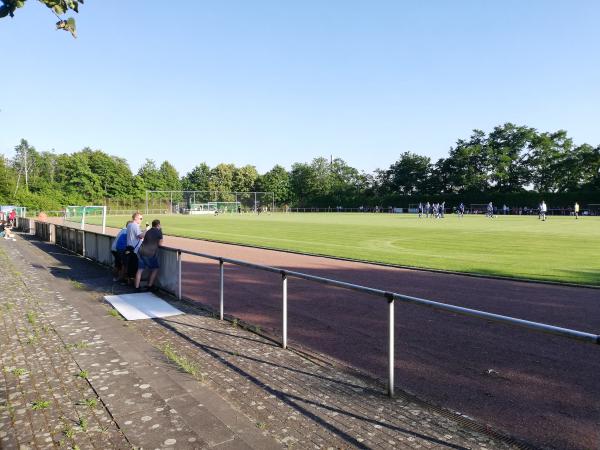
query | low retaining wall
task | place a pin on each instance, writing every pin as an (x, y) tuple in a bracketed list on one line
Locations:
[(97, 247)]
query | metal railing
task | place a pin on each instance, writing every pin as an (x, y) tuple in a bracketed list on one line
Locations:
[(391, 298), (170, 279)]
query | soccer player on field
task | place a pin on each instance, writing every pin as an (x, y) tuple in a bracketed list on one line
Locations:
[(576, 210), (427, 209), (461, 209), (420, 209), (543, 210), (490, 210)]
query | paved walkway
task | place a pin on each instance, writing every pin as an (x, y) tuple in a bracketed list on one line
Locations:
[(75, 375)]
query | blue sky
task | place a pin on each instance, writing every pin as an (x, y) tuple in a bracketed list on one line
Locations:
[(267, 82)]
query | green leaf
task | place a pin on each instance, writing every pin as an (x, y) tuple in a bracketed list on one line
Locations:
[(71, 26)]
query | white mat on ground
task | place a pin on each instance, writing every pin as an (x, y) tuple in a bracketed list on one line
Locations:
[(144, 305)]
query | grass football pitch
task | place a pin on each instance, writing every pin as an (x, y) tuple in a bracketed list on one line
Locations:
[(560, 249)]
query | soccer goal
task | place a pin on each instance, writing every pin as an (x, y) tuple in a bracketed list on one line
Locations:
[(207, 202), (95, 215)]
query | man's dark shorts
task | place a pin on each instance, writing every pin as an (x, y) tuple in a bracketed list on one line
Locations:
[(119, 256), (148, 262)]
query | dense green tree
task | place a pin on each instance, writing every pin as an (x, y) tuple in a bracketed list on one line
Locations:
[(548, 153), (589, 167), (153, 180), (467, 164), (221, 181), (302, 182), (321, 178), (77, 179), (7, 181), (408, 175), (114, 173), (197, 179), (244, 179), (276, 180), (506, 151), (170, 176), (506, 164)]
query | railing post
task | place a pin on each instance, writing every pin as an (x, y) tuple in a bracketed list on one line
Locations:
[(221, 279), (390, 298), (284, 308), (179, 274)]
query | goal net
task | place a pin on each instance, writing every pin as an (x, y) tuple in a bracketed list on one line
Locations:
[(83, 215), (207, 202), (214, 207)]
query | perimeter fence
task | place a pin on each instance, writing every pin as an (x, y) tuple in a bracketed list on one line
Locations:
[(96, 246)]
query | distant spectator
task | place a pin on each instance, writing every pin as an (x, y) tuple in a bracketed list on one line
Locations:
[(148, 255), (134, 241), (6, 231), (12, 218)]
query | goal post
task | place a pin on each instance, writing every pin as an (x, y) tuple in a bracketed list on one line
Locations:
[(183, 202), (95, 215)]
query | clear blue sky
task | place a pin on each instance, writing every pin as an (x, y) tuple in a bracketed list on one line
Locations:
[(266, 82)]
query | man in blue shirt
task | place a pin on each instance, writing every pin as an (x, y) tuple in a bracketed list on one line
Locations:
[(134, 240)]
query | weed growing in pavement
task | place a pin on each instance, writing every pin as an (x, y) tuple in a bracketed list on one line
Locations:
[(46, 328), (32, 339), (256, 329), (261, 425), (185, 364), (68, 431), (83, 424), (90, 402), (31, 317), (9, 306), (76, 284), (83, 374), (19, 372), (234, 322), (80, 345), (40, 404), (113, 312)]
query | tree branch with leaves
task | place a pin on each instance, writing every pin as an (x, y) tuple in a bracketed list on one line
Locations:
[(58, 7)]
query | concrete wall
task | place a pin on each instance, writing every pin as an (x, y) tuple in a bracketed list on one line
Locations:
[(96, 246)]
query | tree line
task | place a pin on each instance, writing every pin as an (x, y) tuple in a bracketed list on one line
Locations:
[(511, 164)]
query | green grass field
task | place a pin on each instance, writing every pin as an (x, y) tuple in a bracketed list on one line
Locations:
[(560, 249)]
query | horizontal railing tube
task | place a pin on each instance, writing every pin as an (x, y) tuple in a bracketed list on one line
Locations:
[(534, 326)]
